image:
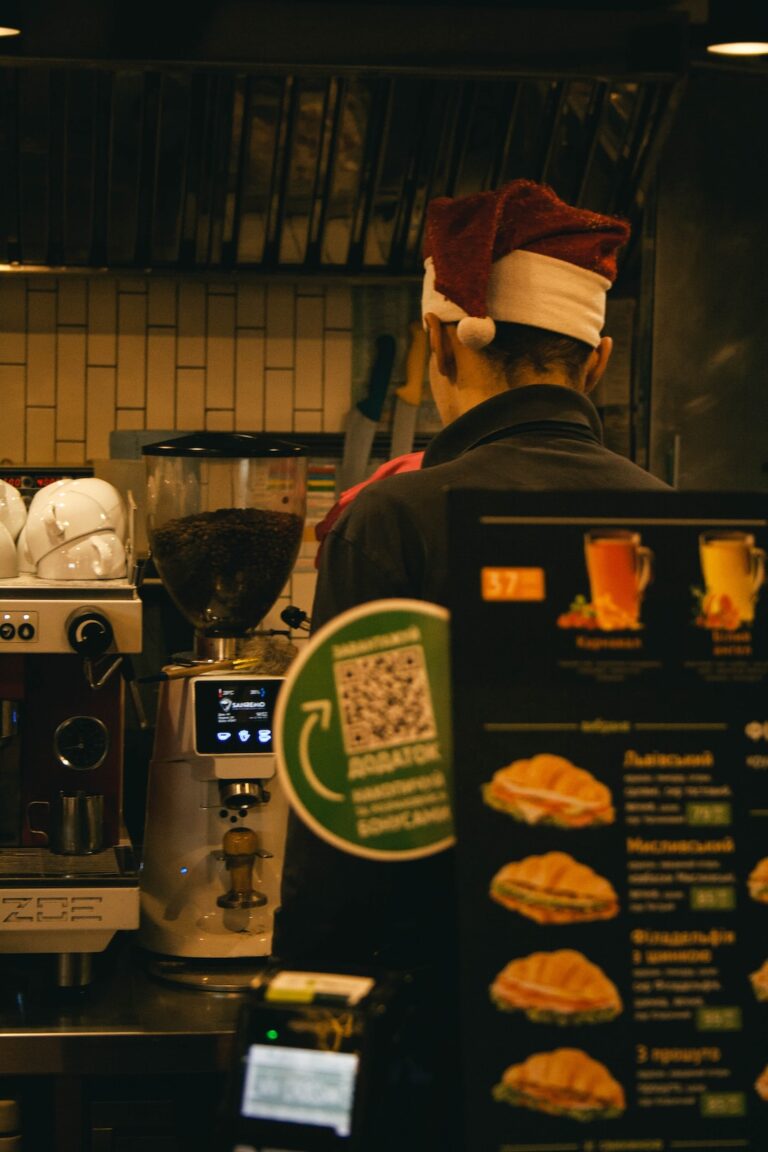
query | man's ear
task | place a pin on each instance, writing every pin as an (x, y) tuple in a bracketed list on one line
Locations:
[(597, 364), (440, 345)]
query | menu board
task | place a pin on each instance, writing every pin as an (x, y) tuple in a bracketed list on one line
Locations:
[(609, 665)]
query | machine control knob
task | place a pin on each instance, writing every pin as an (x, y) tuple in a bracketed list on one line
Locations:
[(89, 632), (241, 847)]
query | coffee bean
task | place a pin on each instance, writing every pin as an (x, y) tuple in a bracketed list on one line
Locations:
[(225, 569)]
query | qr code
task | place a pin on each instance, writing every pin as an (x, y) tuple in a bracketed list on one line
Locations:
[(384, 699)]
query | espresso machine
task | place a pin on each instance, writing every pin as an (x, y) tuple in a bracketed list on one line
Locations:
[(225, 517), (68, 881)]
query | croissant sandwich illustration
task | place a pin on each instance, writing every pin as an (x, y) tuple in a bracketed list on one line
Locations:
[(561, 987), (554, 889), (565, 1082), (761, 1084), (759, 981), (758, 881), (549, 789)]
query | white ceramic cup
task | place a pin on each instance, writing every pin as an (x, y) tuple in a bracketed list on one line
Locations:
[(23, 558), (47, 491), (104, 494), (13, 510), (9, 566), (100, 556), (64, 516)]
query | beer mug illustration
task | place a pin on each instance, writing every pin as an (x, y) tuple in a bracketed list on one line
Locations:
[(619, 570), (733, 570)]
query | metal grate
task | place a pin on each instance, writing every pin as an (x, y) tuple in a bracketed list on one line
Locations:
[(206, 169)]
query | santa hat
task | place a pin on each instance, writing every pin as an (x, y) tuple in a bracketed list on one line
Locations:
[(519, 255)]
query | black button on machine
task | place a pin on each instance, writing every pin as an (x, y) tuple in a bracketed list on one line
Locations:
[(26, 631), (7, 630), (89, 632)]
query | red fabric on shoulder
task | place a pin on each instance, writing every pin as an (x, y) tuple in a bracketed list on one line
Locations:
[(408, 463)]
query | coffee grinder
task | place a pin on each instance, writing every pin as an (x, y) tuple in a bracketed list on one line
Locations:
[(225, 516)]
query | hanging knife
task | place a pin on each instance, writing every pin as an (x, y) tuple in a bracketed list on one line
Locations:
[(409, 394), (363, 419)]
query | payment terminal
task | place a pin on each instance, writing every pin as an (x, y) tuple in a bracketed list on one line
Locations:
[(319, 1063)]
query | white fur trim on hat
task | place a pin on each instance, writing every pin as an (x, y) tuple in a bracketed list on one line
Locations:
[(476, 331), (529, 288)]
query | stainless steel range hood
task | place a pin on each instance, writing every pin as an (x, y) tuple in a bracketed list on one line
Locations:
[(219, 151)]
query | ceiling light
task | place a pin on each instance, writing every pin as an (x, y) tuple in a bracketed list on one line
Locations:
[(11, 17), (737, 28), (739, 48)]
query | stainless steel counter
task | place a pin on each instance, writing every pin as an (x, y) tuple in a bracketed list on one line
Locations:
[(127, 1018)]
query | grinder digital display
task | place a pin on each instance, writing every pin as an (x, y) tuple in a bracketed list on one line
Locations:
[(234, 716)]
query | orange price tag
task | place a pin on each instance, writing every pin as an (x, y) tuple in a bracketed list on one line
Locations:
[(512, 583)]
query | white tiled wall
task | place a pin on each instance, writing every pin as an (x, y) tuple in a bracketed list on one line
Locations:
[(81, 356)]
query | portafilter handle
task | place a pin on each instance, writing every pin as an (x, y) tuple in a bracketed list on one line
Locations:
[(240, 851)]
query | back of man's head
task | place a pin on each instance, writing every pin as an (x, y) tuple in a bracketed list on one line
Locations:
[(522, 354), (523, 274)]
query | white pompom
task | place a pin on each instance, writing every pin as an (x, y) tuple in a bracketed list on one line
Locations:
[(476, 332)]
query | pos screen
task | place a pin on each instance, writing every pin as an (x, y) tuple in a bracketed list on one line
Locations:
[(234, 716), (300, 1086)]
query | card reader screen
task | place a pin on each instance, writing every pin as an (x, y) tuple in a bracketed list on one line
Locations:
[(300, 1086), (234, 716)]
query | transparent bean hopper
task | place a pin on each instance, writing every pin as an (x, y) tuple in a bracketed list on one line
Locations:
[(225, 517)]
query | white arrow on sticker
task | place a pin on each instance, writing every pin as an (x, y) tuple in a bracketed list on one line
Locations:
[(318, 710)]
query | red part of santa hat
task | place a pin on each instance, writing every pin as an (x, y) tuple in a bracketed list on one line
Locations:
[(520, 255)]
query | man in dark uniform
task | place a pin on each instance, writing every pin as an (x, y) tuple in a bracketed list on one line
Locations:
[(514, 304)]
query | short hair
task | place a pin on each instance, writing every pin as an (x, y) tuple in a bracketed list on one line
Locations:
[(517, 346)]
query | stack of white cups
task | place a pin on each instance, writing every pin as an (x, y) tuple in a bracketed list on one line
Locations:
[(73, 530), (13, 513)]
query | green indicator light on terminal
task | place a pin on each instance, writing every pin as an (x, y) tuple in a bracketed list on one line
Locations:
[(272, 1034)]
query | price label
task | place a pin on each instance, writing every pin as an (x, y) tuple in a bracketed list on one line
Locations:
[(723, 1104), (722, 899), (708, 814), (719, 1019), (512, 584)]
